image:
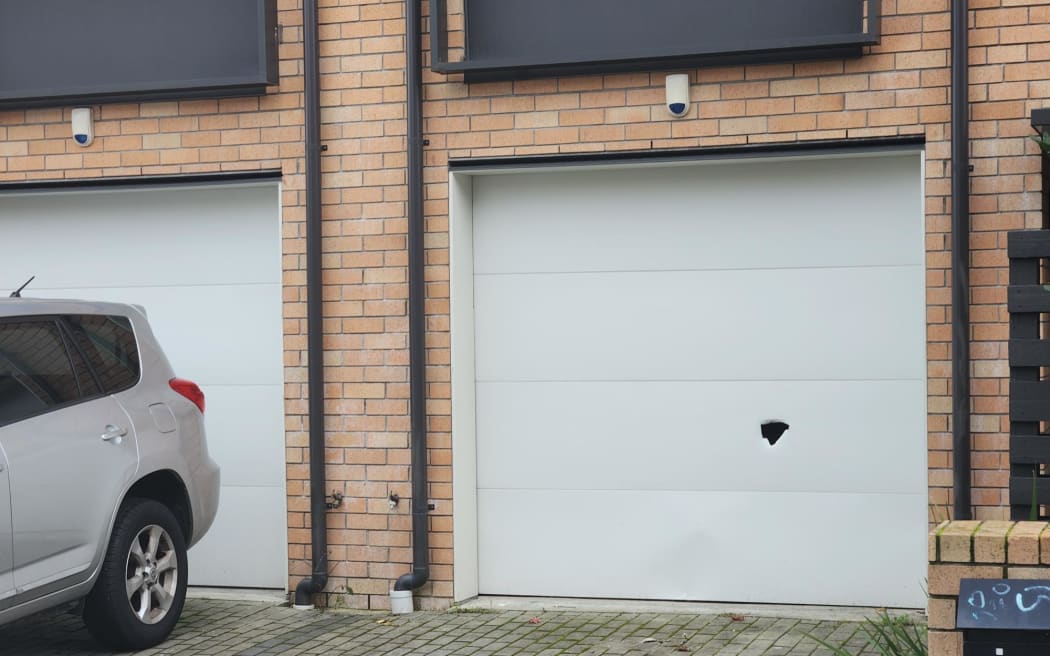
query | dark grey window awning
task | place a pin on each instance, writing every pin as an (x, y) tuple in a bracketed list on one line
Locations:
[(514, 39), (62, 52)]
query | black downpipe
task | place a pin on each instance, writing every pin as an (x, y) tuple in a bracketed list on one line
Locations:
[(960, 171), (314, 330), (416, 311)]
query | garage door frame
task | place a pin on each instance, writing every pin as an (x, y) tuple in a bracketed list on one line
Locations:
[(461, 291), (270, 179)]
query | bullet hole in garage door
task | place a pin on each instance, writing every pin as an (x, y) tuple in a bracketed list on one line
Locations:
[(772, 430)]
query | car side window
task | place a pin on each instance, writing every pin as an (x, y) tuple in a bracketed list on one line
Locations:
[(36, 373), (108, 343)]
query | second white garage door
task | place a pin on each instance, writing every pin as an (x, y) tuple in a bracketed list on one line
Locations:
[(205, 263), (633, 330)]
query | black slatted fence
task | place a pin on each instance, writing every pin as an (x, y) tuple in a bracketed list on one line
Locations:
[(1028, 300)]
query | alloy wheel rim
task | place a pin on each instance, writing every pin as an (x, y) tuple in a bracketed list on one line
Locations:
[(152, 574)]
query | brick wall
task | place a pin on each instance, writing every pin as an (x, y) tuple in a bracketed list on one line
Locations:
[(900, 87), (1010, 76), (992, 549)]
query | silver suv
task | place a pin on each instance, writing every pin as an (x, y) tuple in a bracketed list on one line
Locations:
[(105, 478)]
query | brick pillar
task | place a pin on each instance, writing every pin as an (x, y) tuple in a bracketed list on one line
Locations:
[(978, 550)]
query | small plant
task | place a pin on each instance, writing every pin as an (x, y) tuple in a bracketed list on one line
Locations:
[(891, 636), (1044, 142)]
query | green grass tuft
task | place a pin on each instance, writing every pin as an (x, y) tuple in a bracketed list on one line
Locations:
[(891, 636), (1044, 142)]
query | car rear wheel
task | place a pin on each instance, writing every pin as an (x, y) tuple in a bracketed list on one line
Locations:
[(141, 588)]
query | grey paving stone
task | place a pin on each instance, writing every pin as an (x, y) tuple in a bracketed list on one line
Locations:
[(230, 628)]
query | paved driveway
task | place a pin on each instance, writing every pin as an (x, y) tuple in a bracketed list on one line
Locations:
[(239, 628)]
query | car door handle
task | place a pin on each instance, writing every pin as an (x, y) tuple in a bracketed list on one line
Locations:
[(113, 432)]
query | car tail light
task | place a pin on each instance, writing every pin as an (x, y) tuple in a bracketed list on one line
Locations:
[(190, 390)]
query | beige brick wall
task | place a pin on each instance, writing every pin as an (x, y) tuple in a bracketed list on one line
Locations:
[(900, 87), (1010, 76)]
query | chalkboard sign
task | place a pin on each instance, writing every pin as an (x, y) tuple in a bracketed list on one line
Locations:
[(1003, 604)]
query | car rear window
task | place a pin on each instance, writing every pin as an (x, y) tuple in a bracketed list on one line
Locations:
[(108, 344), (36, 373)]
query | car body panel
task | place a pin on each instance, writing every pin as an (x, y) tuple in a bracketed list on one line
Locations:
[(184, 451), (7, 581), (65, 480)]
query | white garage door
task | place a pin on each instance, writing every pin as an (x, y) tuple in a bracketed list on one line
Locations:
[(634, 328), (205, 263)]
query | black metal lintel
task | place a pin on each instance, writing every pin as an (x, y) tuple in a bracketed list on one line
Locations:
[(861, 145), (74, 184)]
